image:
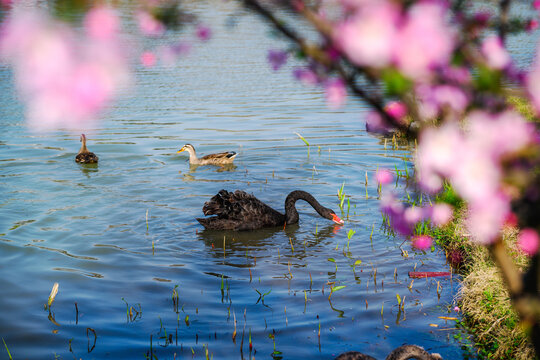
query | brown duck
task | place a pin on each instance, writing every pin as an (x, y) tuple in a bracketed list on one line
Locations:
[(84, 156), (223, 158)]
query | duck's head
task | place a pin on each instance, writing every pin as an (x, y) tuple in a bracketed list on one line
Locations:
[(187, 147), (83, 138)]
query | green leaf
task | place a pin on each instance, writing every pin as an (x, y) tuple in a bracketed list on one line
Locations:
[(337, 288)]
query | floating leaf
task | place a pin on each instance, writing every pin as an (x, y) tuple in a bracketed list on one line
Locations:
[(331, 260), (357, 262)]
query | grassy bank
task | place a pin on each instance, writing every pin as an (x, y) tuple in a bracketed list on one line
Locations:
[(483, 299)]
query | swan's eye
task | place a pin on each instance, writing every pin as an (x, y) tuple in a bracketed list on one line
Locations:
[(337, 220)]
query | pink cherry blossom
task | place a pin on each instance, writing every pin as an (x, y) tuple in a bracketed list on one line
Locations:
[(536, 4), (148, 59), (496, 55), (421, 242), (305, 76), (65, 78), (148, 25), (434, 99), (335, 93), (500, 134), (531, 25), (413, 214), (439, 154), (528, 241), (396, 109), (101, 23), (204, 33), (425, 40), (376, 124), (276, 58), (440, 214), (486, 218), (383, 176), (368, 37)]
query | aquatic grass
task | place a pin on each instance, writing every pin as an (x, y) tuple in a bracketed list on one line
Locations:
[(305, 142), (88, 330), (341, 196), (5, 345), (350, 234), (261, 296), (146, 220), (333, 261), (132, 314), (333, 289), (175, 299), (52, 296)]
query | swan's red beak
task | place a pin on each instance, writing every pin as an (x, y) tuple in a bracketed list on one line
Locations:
[(337, 220)]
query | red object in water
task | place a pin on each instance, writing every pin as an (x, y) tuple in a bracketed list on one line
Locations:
[(423, 274)]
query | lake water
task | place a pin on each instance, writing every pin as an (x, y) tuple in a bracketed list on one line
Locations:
[(122, 234)]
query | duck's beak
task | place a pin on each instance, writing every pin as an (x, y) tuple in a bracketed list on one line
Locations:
[(337, 220), (182, 149)]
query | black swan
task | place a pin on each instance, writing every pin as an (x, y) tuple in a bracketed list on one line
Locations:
[(212, 159), (242, 211), (84, 156), (403, 352)]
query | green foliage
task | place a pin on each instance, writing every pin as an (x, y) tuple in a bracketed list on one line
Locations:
[(395, 83)]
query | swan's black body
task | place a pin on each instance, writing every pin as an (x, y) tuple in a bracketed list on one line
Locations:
[(404, 352), (242, 211)]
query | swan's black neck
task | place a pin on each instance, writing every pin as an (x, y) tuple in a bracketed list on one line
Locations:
[(291, 215)]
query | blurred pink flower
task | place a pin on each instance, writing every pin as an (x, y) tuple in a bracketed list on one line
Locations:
[(204, 33), (456, 309), (486, 218), (368, 37), (376, 124), (413, 214), (455, 74), (421, 242), (383, 176), (536, 4), (101, 22), (335, 93), (433, 99), (528, 241), (439, 153), (440, 214), (425, 41), (532, 82), (396, 109), (476, 175), (499, 134), (64, 79), (148, 25), (305, 76), (531, 25), (496, 55), (148, 59), (277, 58)]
